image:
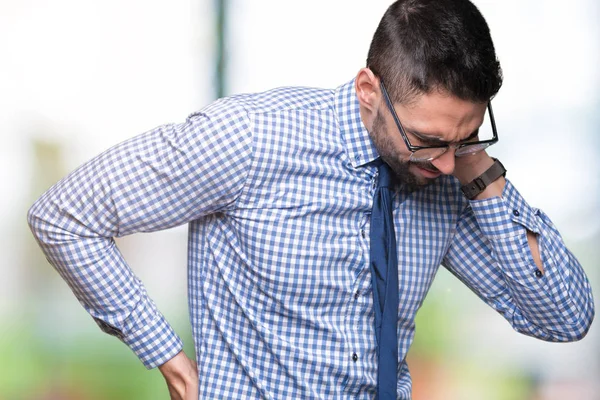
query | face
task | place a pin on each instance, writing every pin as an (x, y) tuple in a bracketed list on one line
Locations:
[(431, 119)]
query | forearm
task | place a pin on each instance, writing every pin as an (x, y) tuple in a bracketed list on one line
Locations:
[(502, 270), (472, 167), (75, 222), (99, 277)]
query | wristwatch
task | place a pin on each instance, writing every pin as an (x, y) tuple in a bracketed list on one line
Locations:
[(478, 185)]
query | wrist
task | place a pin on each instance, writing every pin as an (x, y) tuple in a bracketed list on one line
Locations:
[(494, 189), (488, 184), (179, 367), (468, 168), (181, 376)]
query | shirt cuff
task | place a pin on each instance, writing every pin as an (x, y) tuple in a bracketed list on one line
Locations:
[(155, 344), (506, 216)]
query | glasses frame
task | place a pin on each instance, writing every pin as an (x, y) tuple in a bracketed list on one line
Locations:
[(413, 148)]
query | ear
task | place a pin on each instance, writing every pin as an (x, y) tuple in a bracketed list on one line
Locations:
[(368, 94)]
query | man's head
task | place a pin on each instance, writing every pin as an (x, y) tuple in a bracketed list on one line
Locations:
[(423, 45), (434, 54)]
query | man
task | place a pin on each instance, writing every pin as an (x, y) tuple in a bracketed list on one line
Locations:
[(289, 206)]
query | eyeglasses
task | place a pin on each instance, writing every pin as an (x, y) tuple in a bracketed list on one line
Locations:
[(430, 153)]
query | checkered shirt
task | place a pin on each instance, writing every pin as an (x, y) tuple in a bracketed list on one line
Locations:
[(277, 190)]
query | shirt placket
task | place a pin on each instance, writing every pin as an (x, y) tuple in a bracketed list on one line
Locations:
[(361, 346)]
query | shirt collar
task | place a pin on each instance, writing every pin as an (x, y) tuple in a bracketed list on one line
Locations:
[(359, 145)]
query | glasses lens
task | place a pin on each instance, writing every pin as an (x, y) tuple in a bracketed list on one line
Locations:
[(485, 132), (428, 154), (471, 149)]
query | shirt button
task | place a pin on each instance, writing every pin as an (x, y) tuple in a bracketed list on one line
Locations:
[(538, 273), (516, 213), (363, 233), (357, 294), (354, 357)]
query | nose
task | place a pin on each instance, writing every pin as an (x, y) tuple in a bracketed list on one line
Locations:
[(445, 162)]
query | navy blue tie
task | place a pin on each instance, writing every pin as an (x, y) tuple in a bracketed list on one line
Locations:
[(384, 273)]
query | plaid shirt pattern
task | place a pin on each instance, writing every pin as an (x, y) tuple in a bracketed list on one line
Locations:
[(277, 190)]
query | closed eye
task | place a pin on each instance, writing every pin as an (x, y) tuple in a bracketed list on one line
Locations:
[(426, 140), (471, 136)]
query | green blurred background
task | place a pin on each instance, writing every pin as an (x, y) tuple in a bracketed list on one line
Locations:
[(80, 76)]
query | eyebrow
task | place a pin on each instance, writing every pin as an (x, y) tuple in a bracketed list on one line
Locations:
[(436, 139)]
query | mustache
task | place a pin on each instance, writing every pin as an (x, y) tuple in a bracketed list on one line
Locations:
[(425, 165)]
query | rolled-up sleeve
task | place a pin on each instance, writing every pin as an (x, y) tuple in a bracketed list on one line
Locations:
[(490, 253), (166, 177)]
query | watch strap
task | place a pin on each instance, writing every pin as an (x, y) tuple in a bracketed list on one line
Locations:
[(478, 185)]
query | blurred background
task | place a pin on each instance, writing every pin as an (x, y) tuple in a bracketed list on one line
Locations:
[(80, 76)]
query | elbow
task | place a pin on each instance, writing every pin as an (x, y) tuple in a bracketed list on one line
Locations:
[(578, 326), (571, 326), (37, 219), (33, 218), (584, 323)]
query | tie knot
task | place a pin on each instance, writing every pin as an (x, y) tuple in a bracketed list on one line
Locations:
[(385, 174)]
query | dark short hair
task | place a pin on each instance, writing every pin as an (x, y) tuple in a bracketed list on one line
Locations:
[(425, 45)]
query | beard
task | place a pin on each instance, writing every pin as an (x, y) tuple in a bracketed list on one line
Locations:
[(398, 163)]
